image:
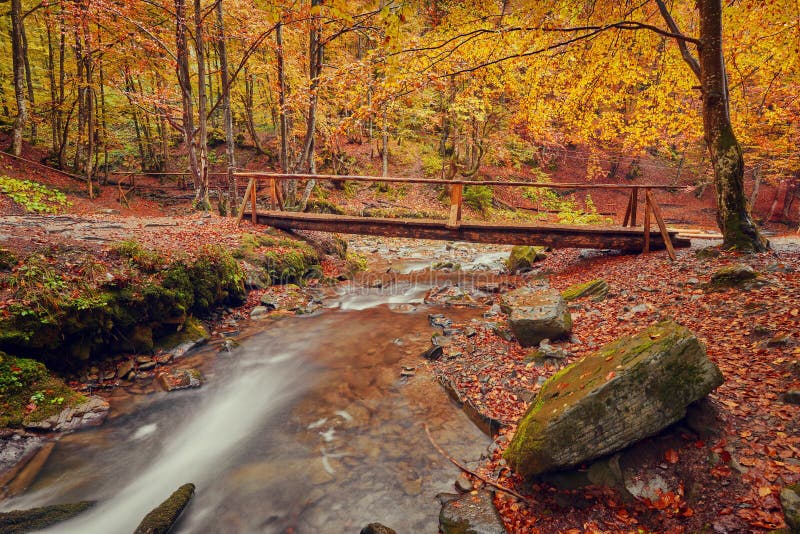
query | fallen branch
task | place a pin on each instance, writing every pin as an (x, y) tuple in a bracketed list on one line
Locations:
[(472, 473)]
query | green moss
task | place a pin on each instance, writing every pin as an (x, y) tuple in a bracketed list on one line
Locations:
[(28, 392), (161, 519), (67, 328), (40, 518), (523, 257), (146, 260), (323, 206), (597, 288), (191, 330)]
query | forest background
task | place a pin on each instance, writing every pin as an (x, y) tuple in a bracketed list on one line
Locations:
[(447, 87)]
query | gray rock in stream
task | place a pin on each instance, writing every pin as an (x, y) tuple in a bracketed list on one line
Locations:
[(90, 413), (471, 513)]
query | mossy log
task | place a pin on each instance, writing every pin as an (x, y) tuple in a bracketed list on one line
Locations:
[(40, 518), (161, 519)]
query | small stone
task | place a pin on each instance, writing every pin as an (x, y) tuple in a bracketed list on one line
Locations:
[(792, 396), (143, 359), (433, 353), (471, 512), (125, 368), (147, 366), (790, 501), (258, 312), (377, 528), (639, 308), (464, 483)]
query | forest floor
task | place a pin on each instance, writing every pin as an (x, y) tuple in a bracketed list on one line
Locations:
[(725, 479)]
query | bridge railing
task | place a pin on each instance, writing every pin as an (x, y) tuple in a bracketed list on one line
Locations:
[(456, 196)]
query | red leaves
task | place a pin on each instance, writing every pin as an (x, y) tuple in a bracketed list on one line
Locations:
[(671, 456)]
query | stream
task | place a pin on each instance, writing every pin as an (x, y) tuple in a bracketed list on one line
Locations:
[(307, 426)]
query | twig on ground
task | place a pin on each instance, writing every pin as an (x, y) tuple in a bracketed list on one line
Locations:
[(469, 472)]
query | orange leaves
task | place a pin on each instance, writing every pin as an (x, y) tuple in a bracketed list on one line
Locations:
[(671, 456)]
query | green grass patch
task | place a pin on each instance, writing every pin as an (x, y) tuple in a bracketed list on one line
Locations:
[(32, 196)]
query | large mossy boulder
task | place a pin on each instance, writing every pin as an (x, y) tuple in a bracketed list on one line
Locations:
[(628, 390), (535, 314), (523, 257)]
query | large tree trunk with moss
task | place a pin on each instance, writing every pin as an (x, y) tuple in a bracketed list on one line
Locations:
[(733, 214)]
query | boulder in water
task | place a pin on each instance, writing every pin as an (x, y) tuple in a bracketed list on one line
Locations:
[(535, 314), (471, 513), (161, 519), (630, 389)]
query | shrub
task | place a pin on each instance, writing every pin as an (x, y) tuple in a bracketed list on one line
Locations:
[(32, 196), (479, 197)]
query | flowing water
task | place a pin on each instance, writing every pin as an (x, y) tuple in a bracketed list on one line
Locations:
[(306, 427)]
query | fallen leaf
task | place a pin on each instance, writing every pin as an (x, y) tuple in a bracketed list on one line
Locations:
[(671, 455)]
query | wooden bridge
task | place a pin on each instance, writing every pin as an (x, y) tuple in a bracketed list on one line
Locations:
[(628, 236)]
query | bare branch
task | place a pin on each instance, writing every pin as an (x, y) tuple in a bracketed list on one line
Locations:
[(685, 53)]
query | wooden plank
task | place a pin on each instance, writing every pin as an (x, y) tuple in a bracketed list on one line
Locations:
[(634, 204), (253, 202), (628, 210), (647, 236), (273, 193), (661, 226), (250, 185), (456, 193), (389, 179), (554, 235)]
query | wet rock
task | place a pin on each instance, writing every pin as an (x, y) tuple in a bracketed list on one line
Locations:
[(439, 320), (147, 365), (258, 312), (597, 289), (471, 513), (124, 369), (536, 314), (703, 418), (790, 501), (161, 519), (630, 389), (464, 484), (377, 528), (40, 518), (269, 302), (90, 413), (487, 424), (433, 353), (180, 379)]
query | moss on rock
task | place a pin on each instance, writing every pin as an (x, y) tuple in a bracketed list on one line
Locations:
[(161, 518), (630, 389), (523, 257), (40, 518), (597, 289)]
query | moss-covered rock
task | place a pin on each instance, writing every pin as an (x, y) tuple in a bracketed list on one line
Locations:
[(323, 206), (732, 276), (597, 289), (790, 501), (161, 518), (630, 389), (40, 518), (28, 392), (74, 326), (523, 257)]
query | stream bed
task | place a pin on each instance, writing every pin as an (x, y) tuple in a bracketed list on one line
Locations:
[(307, 426)]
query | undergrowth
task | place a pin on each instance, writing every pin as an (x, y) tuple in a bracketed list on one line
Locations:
[(32, 196)]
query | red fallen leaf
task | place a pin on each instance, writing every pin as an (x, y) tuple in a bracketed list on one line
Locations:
[(725, 456), (671, 455), (610, 375)]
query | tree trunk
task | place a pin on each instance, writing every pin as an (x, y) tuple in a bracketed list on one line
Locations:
[(233, 193), (19, 76), (28, 80), (185, 83), (289, 186), (201, 197), (733, 215)]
